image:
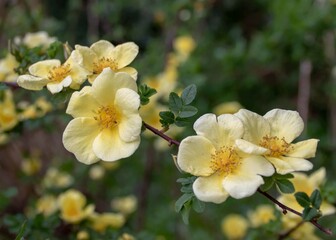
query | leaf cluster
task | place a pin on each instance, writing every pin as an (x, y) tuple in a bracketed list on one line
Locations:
[(145, 93), (311, 204), (281, 181), (180, 111), (188, 200)]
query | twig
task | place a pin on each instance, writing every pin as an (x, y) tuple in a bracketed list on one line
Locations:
[(162, 135), (286, 208), (290, 231), (11, 84)]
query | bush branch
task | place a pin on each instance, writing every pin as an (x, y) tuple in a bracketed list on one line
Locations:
[(286, 208), (162, 135)]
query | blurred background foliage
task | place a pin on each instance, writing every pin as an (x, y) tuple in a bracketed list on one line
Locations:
[(262, 54)]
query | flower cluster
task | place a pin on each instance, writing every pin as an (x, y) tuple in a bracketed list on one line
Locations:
[(232, 152)]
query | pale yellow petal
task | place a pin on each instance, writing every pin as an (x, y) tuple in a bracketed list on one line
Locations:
[(42, 68), (124, 53), (250, 148), (108, 83), (86, 57), (109, 147), (102, 48), (32, 83), (303, 149), (131, 71), (242, 185), (255, 126), (78, 138), (285, 123), (255, 165), (210, 189), (128, 102), (327, 208), (281, 166), (298, 164), (56, 87), (83, 104), (318, 177), (194, 155)]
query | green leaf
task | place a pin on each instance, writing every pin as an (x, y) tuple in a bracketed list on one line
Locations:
[(185, 181), (182, 200), (175, 102), (198, 205), (185, 212), (269, 181), (303, 199), (22, 231), (285, 176), (187, 189), (189, 94), (188, 111), (182, 122), (167, 117), (285, 185), (316, 199), (310, 213)]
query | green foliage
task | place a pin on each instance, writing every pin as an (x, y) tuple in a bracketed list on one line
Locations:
[(311, 204), (180, 111), (21, 232), (188, 200), (281, 181), (145, 93), (6, 197)]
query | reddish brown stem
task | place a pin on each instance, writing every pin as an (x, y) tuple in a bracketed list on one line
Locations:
[(162, 135), (286, 208)]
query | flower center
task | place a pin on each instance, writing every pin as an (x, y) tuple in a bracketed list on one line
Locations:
[(225, 160), (58, 74), (107, 117), (98, 66), (277, 146)]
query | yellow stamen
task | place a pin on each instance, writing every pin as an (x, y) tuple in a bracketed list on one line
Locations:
[(107, 117), (277, 146), (225, 160), (58, 74), (98, 66)]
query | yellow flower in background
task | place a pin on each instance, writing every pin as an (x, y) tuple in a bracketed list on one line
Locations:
[(305, 231), (150, 114), (36, 39), (106, 122), (82, 235), (31, 165), (7, 66), (272, 136), (263, 214), (55, 75), (100, 222), (8, 115), (127, 236), (221, 168), (227, 107), (72, 206), (307, 184), (234, 226), (97, 172), (110, 165), (47, 205), (57, 179), (184, 45), (3, 138), (35, 110), (104, 54), (125, 205)]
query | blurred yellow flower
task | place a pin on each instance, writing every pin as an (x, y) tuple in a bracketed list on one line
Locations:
[(82, 235), (54, 75), (234, 226), (47, 205), (35, 110), (8, 115), (56, 179), (263, 214), (307, 184), (72, 206), (36, 39), (126, 236), (304, 231), (100, 222), (271, 136), (110, 165), (7, 66), (106, 122), (227, 107), (125, 205), (150, 114), (31, 165), (184, 45), (104, 54), (97, 172)]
